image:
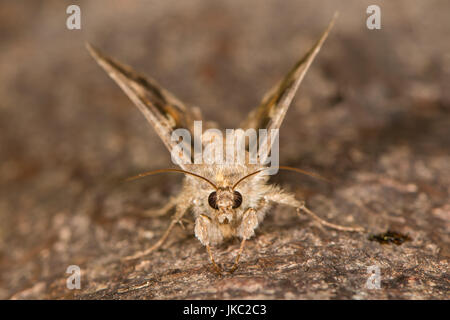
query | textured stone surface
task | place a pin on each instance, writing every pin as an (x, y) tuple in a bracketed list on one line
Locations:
[(373, 114)]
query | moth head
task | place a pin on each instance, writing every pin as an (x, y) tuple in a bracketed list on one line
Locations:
[(225, 201)]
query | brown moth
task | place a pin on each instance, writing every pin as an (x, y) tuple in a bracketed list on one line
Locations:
[(227, 200)]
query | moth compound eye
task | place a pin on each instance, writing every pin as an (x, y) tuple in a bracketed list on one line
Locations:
[(212, 200), (237, 201)]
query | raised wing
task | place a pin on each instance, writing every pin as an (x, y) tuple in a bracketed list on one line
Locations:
[(272, 110), (161, 108)]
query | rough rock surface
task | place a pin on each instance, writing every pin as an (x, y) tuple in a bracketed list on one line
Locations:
[(373, 114)]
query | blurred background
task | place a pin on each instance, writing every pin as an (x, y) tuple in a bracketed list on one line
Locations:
[(373, 112)]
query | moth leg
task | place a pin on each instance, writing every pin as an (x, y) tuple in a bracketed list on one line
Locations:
[(183, 221), (326, 223), (246, 231), (288, 199), (163, 210), (181, 209), (236, 262), (202, 228), (216, 267)]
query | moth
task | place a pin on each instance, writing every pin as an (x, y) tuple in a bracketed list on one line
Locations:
[(226, 200)]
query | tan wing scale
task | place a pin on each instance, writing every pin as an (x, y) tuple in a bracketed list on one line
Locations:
[(272, 110), (162, 109)]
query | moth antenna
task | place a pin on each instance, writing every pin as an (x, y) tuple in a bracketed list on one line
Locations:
[(245, 177), (149, 173), (311, 174)]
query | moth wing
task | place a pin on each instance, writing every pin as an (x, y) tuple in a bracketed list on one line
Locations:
[(161, 108), (272, 110)]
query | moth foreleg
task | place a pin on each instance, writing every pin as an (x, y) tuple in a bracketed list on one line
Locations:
[(236, 262), (181, 209), (211, 257), (246, 231), (288, 199), (248, 224), (203, 230)]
